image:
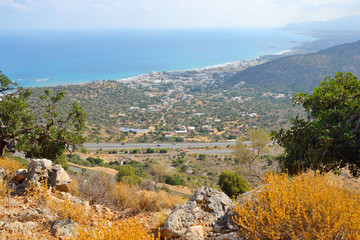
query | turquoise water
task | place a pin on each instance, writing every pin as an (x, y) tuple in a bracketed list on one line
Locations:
[(47, 58)]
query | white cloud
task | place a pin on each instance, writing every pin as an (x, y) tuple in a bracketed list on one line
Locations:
[(19, 5), (171, 13)]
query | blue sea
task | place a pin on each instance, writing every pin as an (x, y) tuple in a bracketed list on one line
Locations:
[(48, 58)]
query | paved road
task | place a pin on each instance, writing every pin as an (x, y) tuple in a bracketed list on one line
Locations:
[(155, 145), (214, 151)]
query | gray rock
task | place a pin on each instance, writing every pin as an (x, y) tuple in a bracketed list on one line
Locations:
[(44, 170), (20, 174), (39, 170), (194, 233), (229, 236), (19, 226), (59, 178), (206, 206), (3, 173), (63, 228)]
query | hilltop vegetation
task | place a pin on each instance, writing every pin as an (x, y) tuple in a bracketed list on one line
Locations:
[(168, 107), (299, 72)]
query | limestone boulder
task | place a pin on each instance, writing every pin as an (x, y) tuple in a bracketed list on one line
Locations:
[(194, 233), (39, 170), (63, 228), (20, 174), (59, 178), (43, 170), (206, 206)]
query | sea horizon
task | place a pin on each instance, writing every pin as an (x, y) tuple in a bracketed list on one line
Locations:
[(49, 58)]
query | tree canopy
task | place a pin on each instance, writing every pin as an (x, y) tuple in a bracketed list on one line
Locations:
[(329, 139), (46, 135), (232, 183)]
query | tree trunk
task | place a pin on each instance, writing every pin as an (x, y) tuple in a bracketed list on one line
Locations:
[(2, 147)]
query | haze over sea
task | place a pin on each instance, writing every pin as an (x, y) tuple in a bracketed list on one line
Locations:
[(47, 58)]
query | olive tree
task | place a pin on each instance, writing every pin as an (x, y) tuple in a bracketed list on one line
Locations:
[(46, 135), (329, 139)]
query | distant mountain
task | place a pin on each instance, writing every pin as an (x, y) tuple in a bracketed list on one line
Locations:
[(300, 72), (339, 24)]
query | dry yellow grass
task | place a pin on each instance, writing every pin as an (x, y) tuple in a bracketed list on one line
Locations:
[(303, 207), (100, 188), (126, 229), (63, 208), (10, 165), (136, 199), (97, 168)]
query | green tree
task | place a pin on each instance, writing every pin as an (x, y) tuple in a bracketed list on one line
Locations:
[(6, 85), (329, 139), (247, 154), (125, 170), (15, 119), (232, 183), (126, 174), (46, 135)]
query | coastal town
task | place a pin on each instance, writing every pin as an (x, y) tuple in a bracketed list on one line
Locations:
[(189, 105)]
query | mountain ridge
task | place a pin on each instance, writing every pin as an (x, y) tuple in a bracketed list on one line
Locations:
[(300, 72), (343, 23)]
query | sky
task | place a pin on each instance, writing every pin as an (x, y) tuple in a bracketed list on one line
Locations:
[(74, 14)]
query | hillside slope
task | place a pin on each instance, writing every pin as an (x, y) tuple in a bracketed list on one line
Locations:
[(300, 72), (344, 23)]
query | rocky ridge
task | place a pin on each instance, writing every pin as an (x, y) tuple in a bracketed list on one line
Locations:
[(205, 216)]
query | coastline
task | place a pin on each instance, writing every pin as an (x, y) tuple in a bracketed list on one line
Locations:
[(227, 68), (320, 41), (125, 56)]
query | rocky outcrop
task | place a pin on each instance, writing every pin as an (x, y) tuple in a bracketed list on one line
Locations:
[(44, 170), (206, 211), (17, 226), (63, 228)]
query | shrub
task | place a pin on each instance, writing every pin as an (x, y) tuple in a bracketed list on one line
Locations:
[(124, 171), (163, 150), (126, 229), (184, 167), (135, 151), (132, 179), (303, 207), (136, 199), (174, 180), (97, 187), (101, 188), (202, 157), (179, 161), (74, 158), (95, 161), (232, 183), (150, 150)]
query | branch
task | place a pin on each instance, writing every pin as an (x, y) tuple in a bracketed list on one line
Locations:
[(251, 171)]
